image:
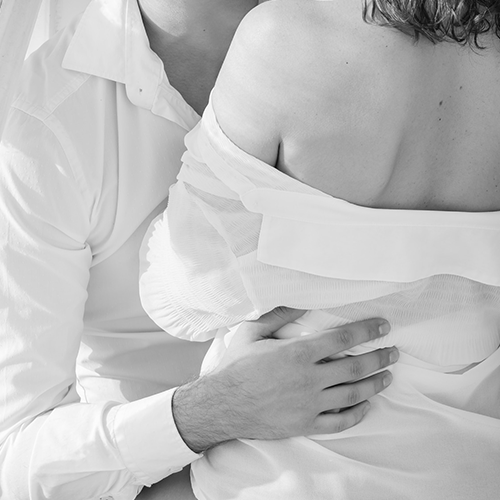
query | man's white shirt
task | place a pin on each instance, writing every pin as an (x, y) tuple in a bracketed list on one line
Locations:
[(92, 143)]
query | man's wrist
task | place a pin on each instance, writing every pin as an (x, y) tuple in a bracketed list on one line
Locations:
[(201, 414)]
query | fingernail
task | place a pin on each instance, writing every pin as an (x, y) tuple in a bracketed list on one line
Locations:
[(394, 355), (384, 329), (387, 379)]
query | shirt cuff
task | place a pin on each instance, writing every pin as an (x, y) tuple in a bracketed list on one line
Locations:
[(147, 438)]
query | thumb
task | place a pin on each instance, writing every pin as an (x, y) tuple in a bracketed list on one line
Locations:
[(267, 324)]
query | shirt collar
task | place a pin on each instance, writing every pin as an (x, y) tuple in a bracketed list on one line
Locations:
[(108, 27)]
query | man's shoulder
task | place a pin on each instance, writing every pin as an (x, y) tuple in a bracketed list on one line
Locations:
[(44, 83)]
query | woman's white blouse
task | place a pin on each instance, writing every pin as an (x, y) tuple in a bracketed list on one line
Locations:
[(240, 238)]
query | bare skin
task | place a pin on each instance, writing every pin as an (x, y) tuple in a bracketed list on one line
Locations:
[(371, 117)]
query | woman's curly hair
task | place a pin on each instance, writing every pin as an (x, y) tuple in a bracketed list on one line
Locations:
[(460, 21)]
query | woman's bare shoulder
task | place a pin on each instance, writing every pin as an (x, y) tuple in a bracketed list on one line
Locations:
[(247, 97), (265, 58), (287, 60), (289, 44)]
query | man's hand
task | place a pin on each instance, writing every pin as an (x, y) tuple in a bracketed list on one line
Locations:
[(271, 389)]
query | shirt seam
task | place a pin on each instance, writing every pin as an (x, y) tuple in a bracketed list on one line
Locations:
[(43, 112), (70, 158)]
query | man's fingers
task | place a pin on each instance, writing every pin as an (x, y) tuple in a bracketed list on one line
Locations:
[(330, 342), (333, 423), (269, 323), (346, 395), (292, 392), (350, 368)]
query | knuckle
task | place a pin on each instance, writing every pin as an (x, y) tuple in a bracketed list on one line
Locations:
[(353, 396), (301, 353), (341, 424), (345, 337), (355, 367), (309, 422), (304, 421), (307, 387)]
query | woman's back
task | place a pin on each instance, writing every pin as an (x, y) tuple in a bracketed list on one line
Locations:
[(361, 111)]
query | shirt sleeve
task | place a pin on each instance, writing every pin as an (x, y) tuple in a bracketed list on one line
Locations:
[(52, 446), (194, 258)]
